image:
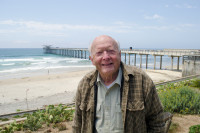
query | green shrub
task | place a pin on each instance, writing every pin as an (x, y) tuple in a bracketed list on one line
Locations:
[(4, 119), (195, 129), (11, 128), (52, 114), (180, 99), (195, 83), (33, 122)]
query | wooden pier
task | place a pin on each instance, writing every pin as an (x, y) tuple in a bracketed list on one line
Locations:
[(172, 53)]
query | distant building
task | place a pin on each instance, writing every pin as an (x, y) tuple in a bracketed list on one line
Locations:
[(191, 65), (46, 49)]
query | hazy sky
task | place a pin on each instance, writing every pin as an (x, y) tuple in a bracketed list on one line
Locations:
[(75, 23)]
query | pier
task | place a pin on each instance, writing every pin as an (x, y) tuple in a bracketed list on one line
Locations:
[(172, 53)]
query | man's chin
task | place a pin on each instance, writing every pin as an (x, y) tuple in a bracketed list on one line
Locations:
[(107, 72)]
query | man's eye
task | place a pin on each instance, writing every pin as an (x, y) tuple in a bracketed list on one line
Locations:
[(99, 53), (111, 51)]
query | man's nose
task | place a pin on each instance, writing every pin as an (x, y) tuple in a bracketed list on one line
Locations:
[(106, 55)]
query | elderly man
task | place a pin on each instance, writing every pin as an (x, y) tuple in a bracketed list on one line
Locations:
[(116, 98)]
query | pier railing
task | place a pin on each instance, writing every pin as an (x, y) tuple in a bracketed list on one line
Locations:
[(162, 52), (172, 53)]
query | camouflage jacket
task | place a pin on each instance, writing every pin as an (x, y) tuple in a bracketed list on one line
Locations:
[(142, 111)]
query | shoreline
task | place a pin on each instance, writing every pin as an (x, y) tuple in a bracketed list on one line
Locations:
[(39, 72), (32, 92)]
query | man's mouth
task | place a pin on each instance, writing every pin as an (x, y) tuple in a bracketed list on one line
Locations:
[(107, 64)]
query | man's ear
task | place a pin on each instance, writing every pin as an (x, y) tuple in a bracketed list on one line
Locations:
[(91, 59)]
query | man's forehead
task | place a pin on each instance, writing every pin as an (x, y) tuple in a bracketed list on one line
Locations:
[(102, 40), (104, 46)]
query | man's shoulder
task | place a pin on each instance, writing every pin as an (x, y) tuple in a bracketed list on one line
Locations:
[(88, 79), (90, 74), (133, 70), (136, 72)]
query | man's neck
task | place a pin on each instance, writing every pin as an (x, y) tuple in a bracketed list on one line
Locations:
[(109, 79)]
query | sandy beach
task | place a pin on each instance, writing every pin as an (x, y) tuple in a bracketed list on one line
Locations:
[(35, 91)]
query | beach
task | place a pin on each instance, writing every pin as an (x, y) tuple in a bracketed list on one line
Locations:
[(33, 92), (30, 79)]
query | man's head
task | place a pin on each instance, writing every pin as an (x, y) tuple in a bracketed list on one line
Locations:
[(105, 55)]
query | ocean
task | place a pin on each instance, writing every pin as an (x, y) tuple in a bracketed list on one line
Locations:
[(20, 62), (23, 62)]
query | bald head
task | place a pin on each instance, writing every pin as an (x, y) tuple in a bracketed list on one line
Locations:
[(103, 39)]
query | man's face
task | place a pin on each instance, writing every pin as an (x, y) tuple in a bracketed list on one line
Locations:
[(106, 57)]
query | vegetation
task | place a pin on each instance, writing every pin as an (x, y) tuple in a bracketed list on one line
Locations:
[(181, 97), (51, 115), (4, 119), (195, 129), (195, 83), (173, 127)]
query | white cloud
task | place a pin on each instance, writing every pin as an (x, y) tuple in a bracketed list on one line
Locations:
[(187, 25), (8, 22), (21, 42), (123, 25), (2, 31), (41, 27), (155, 16), (46, 26), (63, 30), (185, 6), (176, 27), (156, 27)]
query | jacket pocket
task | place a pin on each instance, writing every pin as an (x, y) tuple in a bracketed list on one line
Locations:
[(118, 118), (85, 106), (135, 105), (87, 117)]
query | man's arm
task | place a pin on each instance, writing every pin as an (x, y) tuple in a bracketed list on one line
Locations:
[(154, 111), (77, 122)]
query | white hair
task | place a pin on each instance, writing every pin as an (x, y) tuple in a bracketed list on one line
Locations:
[(117, 42)]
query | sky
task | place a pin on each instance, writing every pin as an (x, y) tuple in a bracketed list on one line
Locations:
[(152, 24)]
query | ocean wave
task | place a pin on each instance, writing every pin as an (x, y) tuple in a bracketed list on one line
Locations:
[(8, 64), (32, 69), (54, 67), (17, 60), (20, 69), (73, 61), (38, 63), (46, 58)]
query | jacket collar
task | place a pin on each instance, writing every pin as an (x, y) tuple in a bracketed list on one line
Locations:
[(127, 71)]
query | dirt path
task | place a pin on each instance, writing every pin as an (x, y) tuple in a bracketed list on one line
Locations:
[(185, 122)]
